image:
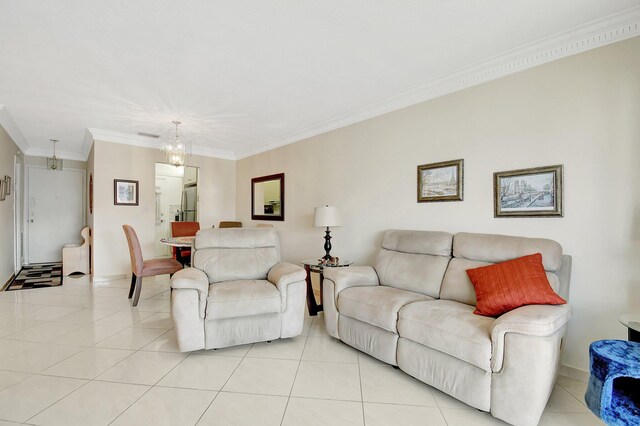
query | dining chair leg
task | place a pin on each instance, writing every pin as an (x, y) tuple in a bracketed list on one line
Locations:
[(133, 284), (138, 288)]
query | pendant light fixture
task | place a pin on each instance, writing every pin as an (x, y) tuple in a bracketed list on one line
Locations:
[(175, 147), (54, 163)]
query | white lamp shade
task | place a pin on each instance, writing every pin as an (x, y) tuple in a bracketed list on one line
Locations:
[(326, 216)]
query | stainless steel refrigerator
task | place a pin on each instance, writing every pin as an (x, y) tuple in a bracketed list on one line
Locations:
[(189, 203)]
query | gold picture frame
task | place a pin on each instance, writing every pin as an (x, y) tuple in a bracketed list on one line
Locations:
[(535, 192), (443, 181)]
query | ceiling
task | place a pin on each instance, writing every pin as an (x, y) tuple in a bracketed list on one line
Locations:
[(246, 76)]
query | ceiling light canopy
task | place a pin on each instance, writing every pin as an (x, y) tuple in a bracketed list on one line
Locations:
[(176, 147)]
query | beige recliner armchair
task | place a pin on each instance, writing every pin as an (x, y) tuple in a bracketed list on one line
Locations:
[(237, 291)]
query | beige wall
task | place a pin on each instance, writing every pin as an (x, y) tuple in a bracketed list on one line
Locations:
[(8, 149), (582, 111), (111, 161)]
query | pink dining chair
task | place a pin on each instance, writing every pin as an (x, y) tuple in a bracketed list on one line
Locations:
[(145, 268)]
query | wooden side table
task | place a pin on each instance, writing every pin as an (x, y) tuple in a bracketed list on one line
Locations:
[(313, 266)]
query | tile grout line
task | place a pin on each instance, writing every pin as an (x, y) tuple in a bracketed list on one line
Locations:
[(94, 379), (306, 340), (225, 383)]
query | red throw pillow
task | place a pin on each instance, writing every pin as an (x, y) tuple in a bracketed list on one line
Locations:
[(508, 285)]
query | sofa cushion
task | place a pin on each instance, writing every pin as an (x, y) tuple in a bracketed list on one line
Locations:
[(508, 285), (241, 298), (414, 260), (499, 248), (236, 253), (449, 327), (376, 305)]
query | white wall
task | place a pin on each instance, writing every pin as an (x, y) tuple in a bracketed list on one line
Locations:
[(8, 149), (582, 111), (216, 186)]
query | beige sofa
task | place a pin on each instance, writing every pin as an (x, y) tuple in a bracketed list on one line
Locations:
[(414, 309), (237, 291)]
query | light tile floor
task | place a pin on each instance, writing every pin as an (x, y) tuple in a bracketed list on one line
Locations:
[(80, 354)]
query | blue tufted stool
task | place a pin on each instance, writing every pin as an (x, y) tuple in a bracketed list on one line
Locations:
[(614, 386)]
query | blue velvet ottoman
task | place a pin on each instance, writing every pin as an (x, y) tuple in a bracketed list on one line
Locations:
[(614, 386)]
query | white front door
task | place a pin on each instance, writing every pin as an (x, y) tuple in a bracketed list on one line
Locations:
[(55, 212)]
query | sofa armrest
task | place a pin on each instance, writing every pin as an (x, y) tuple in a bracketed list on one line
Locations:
[(283, 274), (195, 279), (530, 320), (353, 276)]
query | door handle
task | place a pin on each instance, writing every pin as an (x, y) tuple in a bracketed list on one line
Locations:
[(30, 220)]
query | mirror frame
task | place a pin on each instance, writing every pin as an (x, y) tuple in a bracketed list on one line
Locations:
[(254, 181)]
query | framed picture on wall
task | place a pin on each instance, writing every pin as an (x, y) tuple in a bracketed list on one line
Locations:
[(125, 192), (441, 181), (3, 195), (535, 192)]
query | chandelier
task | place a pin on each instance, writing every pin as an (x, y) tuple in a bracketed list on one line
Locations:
[(54, 163), (175, 147)]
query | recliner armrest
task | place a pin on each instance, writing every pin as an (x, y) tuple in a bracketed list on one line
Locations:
[(283, 274), (530, 320), (195, 279), (352, 276)]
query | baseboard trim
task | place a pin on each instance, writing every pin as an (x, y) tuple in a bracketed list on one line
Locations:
[(6, 285), (110, 278), (573, 373)]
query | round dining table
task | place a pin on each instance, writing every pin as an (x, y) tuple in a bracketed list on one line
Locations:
[(181, 244)]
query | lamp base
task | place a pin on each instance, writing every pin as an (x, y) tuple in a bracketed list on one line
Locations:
[(327, 244)]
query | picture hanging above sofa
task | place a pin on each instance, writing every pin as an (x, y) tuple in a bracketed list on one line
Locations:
[(535, 192)]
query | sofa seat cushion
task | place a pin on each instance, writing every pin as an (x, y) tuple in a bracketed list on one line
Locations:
[(449, 327), (241, 298), (376, 305)]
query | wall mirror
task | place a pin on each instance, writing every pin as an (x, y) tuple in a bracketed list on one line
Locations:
[(267, 197)]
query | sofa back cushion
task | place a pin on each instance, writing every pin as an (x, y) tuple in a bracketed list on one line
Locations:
[(475, 250), (414, 260), (236, 253)]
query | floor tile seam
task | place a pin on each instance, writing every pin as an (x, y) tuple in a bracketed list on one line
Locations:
[(64, 359), (572, 395), (130, 405), (364, 417), (295, 376), (72, 331), (60, 399), (207, 409), (132, 354), (404, 404), (224, 384)]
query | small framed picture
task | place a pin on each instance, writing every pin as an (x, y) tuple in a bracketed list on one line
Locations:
[(3, 194), (441, 181), (533, 192), (125, 192), (7, 185)]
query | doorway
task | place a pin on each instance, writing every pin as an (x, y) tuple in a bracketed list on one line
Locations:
[(55, 214), (18, 221), (176, 201)]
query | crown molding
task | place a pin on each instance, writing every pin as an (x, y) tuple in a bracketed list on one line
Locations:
[(601, 32), (147, 142), (12, 129), (64, 155)]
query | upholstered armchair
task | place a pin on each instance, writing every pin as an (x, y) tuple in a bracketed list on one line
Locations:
[(237, 291)]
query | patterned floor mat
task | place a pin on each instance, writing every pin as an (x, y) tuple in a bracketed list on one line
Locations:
[(37, 275)]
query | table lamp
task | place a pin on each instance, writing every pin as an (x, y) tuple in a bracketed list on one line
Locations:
[(326, 216)]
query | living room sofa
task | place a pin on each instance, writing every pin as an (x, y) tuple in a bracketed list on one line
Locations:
[(237, 291), (414, 309)]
